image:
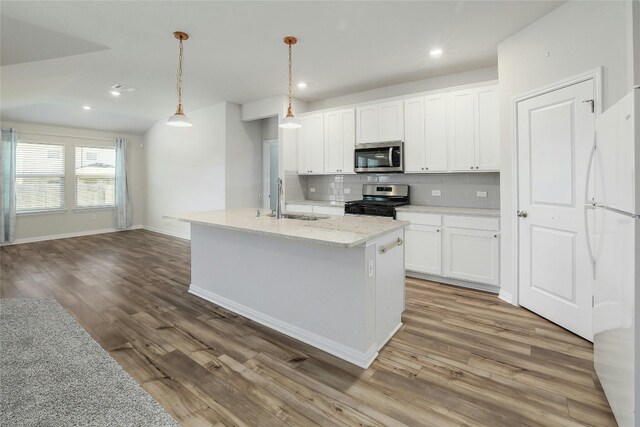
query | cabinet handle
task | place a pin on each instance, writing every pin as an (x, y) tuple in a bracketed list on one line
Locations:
[(477, 167), (471, 167), (438, 230), (426, 169), (495, 235)]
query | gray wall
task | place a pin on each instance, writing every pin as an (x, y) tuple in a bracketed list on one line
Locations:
[(243, 159), (579, 36), (457, 189)]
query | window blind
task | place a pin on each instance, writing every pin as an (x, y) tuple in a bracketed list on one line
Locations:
[(95, 172), (39, 177)]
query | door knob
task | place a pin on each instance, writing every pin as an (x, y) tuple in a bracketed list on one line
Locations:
[(522, 214)]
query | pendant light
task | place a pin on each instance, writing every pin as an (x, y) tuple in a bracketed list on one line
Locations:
[(290, 121), (179, 119)]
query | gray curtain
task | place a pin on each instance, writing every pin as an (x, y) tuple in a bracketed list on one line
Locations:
[(8, 185), (123, 204)]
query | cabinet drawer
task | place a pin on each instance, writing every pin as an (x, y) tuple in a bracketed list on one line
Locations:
[(298, 208), (474, 222), (420, 218)]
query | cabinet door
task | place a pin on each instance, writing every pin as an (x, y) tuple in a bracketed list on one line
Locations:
[(303, 145), (333, 142), (390, 121), (423, 249), (435, 109), (461, 131), (471, 255), (348, 119), (367, 124), (487, 129), (414, 143), (316, 144)]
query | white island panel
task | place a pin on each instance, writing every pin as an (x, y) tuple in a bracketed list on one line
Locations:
[(346, 301)]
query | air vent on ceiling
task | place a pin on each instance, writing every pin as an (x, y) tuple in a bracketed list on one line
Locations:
[(122, 88)]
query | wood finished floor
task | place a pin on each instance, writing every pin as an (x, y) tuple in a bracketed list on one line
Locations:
[(463, 357)]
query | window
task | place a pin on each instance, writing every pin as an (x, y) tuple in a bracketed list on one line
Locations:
[(95, 177), (39, 177)]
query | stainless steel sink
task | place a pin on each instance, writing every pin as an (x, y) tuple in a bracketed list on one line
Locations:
[(301, 217)]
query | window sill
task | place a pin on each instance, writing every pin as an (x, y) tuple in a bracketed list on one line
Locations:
[(43, 212), (92, 209)]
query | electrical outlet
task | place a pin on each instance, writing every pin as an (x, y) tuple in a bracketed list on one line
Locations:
[(312, 190), (347, 191), (481, 193), (371, 268), (436, 193)]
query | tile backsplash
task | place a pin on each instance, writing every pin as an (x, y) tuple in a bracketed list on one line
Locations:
[(456, 189)]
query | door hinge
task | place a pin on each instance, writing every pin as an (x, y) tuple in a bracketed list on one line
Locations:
[(593, 104)]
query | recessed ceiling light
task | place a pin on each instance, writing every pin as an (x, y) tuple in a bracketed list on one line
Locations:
[(87, 107), (435, 52), (302, 85), (115, 92)]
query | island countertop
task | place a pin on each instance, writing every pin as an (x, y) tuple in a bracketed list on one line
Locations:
[(338, 231)]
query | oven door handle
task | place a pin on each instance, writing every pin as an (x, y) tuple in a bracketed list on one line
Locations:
[(391, 156)]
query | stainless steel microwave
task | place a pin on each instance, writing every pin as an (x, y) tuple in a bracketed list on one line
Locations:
[(379, 157)]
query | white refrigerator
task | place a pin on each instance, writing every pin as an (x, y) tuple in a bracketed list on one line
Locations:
[(613, 210)]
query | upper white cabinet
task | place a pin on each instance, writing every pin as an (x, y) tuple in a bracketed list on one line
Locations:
[(414, 142), (435, 110), (442, 132), (311, 145), (391, 121), (380, 122), (339, 141), (425, 143), (487, 129), (473, 129)]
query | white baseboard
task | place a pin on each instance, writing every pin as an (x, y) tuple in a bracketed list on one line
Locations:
[(506, 297), (456, 282), (68, 235), (361, 359), (168, 233)]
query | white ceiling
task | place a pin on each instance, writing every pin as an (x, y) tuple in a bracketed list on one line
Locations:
[(57, 56)]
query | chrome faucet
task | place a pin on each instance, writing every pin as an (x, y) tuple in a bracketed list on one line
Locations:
[(279, 202)]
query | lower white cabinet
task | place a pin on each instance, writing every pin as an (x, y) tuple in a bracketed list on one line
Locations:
[(454, 246), (471, 255), (422, 250)]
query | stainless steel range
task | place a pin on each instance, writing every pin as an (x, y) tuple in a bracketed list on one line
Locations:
[(379, 200)]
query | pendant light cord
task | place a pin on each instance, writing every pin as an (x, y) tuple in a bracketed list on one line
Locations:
[(179, 74), (290, 79)]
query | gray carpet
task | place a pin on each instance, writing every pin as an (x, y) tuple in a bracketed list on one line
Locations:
[(52, 373)]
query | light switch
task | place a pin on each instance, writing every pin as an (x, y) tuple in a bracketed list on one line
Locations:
[(312, 190), (371, 268), (436, 193), (481, 193)]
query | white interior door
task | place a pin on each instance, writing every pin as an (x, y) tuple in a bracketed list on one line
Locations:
[(555, 135)]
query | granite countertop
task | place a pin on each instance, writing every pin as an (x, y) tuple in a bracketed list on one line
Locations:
[(338, 231), (450, 210), (316, 203)]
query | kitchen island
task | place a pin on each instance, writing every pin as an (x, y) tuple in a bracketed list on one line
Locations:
[(336, 283)]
